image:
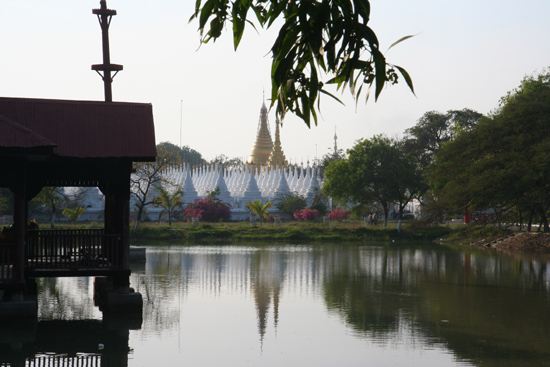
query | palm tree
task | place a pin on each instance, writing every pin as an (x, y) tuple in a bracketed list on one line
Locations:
[(259, 209), (170, 202)]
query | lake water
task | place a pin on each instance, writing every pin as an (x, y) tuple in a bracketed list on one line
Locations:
[(383, 304)]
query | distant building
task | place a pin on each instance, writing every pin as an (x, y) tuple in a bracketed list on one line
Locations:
[(263, 145), (265, 151)]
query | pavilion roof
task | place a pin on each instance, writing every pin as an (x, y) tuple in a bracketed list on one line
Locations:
[(18, 139), (79, 129)]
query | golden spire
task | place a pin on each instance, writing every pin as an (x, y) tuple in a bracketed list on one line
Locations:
[(263, 145), (277, 157)]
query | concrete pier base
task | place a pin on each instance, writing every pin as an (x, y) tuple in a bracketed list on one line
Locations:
[(124, 302), (15, 333), (26, 307), (137, 254), (19, 302), (116, 300)]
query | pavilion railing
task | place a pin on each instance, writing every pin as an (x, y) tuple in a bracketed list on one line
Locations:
[(7, 255), (72, 249), (53, 360)]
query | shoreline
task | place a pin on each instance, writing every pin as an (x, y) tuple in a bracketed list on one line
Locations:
[(524, 242), (288, 232)]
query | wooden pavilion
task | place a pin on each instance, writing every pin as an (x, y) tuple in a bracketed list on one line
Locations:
[(56, 143), (70, 143)]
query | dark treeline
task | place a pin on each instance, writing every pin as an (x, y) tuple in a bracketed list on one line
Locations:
[(495, 167)]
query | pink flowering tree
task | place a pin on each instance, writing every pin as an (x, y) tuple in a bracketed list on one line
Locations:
[(338, 214), (209, 210), (193, 212), (307, 215)]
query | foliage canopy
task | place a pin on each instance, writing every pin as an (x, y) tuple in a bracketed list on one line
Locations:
[(317, 38), (503, 162), (377, 170), (185, 153)]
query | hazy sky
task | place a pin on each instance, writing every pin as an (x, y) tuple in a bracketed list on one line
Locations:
[(466, 54)]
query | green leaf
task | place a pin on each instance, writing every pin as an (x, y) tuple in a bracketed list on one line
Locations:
[(363, 9), (215, 27), (320, 39), (238, 25), (331, 95), (206, 12), (406, 76), (276, 9), (401, 40), (379, 71)]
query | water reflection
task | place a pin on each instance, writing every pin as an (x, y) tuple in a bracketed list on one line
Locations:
[(488, 309), (63, 343), (482, 307), (69, 330), (378, 304)]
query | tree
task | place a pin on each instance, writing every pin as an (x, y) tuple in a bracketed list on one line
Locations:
[(53, 198), (73, 213), (503, 162), (147, 176), (434, 129), (328, 157), (376, 171), (6, 200), (290, 202), (223, 160), (423, 140), (259, 209), (317, 39), (185, 153), (320, 202), (170, 202)]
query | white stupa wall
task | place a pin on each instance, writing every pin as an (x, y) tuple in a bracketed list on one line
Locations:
[(238, 186)]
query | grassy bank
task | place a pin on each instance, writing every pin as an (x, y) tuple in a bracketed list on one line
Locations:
[(287, 232), (466, 234), (290, 232)]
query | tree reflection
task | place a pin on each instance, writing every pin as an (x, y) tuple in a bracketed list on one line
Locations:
[(464, 299)]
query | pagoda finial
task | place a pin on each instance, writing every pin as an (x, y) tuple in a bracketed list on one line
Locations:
[(277, 156), (104, 16), (263, 144)]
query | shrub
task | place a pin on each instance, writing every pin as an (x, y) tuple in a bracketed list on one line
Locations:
[(306, 214), (338, 214), (209, 210), (289, 203), (320, 202)]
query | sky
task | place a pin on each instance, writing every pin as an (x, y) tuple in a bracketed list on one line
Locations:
[(465, 54)]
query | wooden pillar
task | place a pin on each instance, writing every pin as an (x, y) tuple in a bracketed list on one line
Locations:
[(117, 217), (116, 189), (20, 222)]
